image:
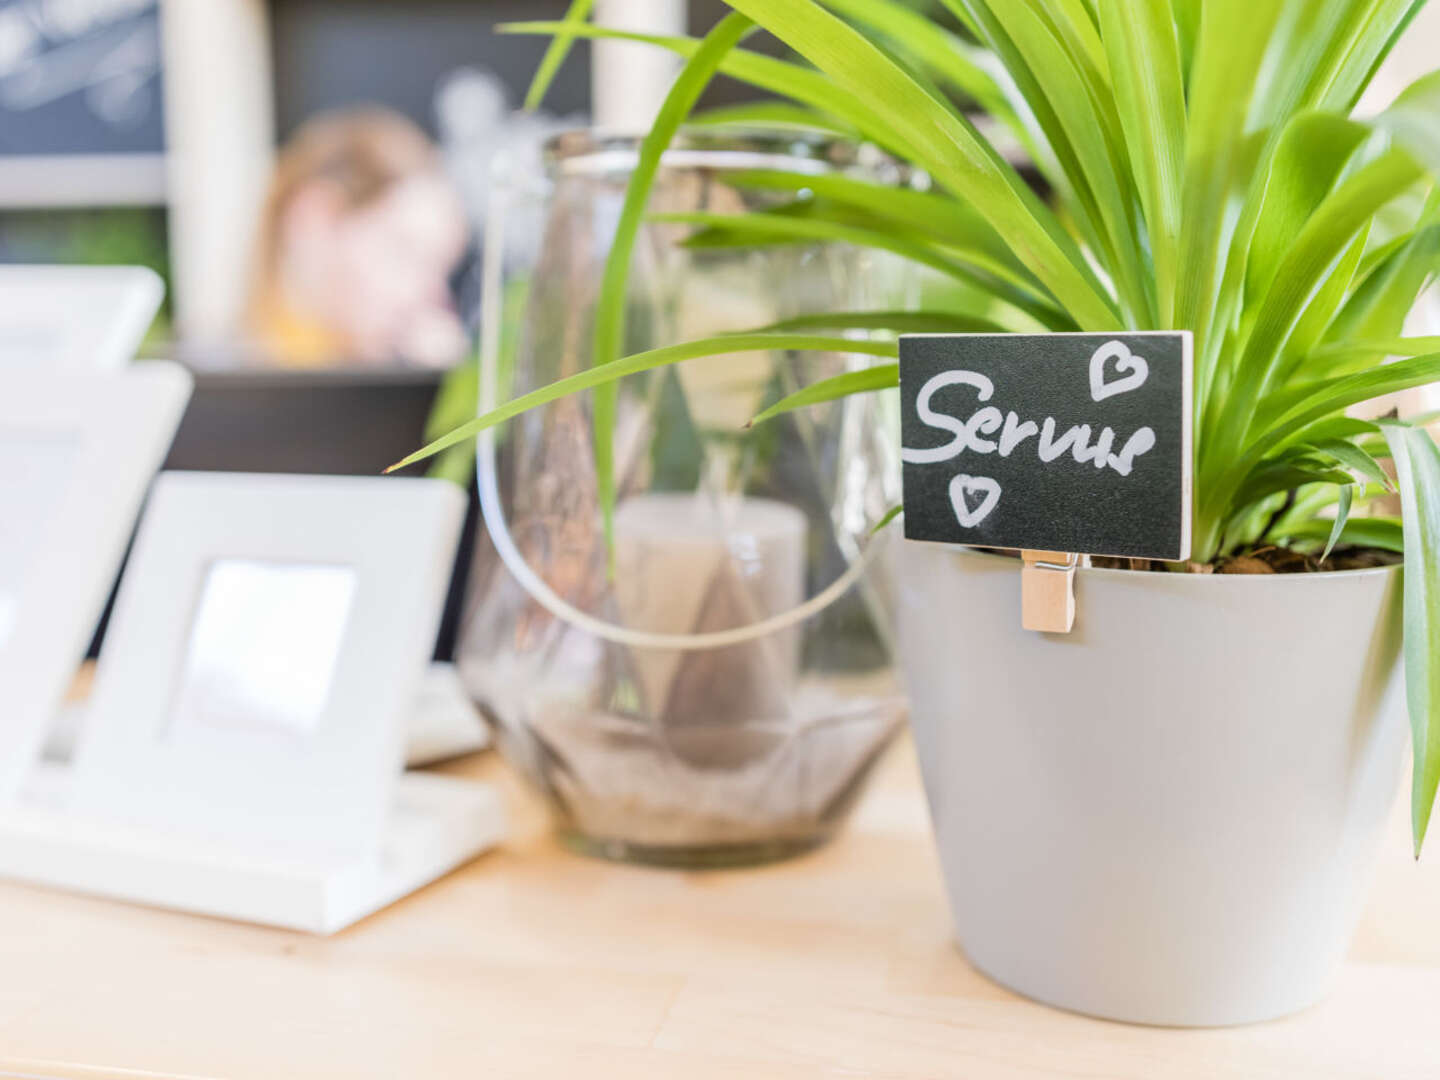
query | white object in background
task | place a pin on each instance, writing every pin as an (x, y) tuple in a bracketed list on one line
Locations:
[(442, 723), (75, 318), (629, 80), (1169, 815), (243, 752), (486, 141), (220, 131), (80, 451)]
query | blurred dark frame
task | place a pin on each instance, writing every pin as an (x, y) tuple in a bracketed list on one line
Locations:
[(351, 422)]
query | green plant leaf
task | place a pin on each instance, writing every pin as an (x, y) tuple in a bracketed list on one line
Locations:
[(1081, 117), (947, 146), (801, 84), (1417, 464), (1378, 350), (555, 54), (964, 66), (1379, 305), (1365, 40), (959, 65), (952, 60), (1078, 24), (609, 333), (1310, 506), (1287, 153), (1269, 479), (763, 228), (1321, 242), (1342, 516), (1318, 314), (1187, 29), (1340, 393), (1309, 159), (1355, 458), (890, 515), (1327, 453), (1413, 121), (1383, 534), (1144, 50), (606, 374), (930, 214), (880, 377), (1066, 174), (1230, 46), (794, 81), (1314, 39), (454, 404), (1324, 402), (1336, 427), (770, 114)]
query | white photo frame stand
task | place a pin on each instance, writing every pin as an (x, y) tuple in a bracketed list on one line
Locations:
[(243, 750), (80, 453), (74, 319)]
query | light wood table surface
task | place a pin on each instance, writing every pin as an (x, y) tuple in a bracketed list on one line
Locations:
[(532, 962)]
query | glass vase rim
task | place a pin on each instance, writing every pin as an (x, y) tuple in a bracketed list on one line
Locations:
[(594, 151)]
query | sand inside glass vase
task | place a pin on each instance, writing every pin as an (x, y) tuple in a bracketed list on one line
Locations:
[(694, 786)]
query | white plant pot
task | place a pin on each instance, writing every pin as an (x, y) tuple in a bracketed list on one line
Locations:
[(1168, 816)]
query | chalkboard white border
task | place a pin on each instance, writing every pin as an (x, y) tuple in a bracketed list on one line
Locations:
[(1187, 415), (46, 181)]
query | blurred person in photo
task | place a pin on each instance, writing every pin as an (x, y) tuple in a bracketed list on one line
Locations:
[(360, 232)]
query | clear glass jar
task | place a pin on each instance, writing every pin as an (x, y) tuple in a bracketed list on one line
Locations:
[(648, 741)]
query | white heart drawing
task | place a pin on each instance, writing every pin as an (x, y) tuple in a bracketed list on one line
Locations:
[(964, 514), (1125, 361)]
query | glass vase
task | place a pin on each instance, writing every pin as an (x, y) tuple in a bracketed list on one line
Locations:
[(713, 687)]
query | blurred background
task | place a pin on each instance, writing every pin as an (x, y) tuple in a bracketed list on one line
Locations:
[(309, 179), (258, 154)]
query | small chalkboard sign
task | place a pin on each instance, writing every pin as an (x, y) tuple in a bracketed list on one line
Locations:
[(1053, 442)]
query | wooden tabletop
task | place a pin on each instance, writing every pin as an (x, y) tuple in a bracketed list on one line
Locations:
[(532, 962)]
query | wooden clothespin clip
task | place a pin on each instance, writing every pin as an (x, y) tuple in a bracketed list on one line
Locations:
[(1047, 591)]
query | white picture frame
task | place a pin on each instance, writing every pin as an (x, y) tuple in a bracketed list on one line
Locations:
[(68, 529), (70, 319), (383, 550)]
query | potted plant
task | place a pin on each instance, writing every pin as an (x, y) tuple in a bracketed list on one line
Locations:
[(1165, 817)]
